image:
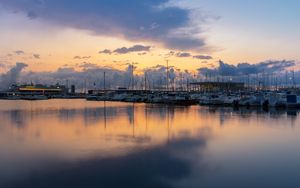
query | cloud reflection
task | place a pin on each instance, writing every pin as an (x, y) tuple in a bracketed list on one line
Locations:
[(160, 166)]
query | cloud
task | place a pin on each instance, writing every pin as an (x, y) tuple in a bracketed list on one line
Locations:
[(87, 65), (142, 53), (36, 56), (203, 57), (19, 52), (11, 77), (90, 73), (157, 76), (106, 51), (188, 54), (269, 66), (204, 62), (81, 57), (183, 54), (125, 50), (135, 20), (135, 48), (171, 53)]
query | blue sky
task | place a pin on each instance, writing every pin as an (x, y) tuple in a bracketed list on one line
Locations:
[(267, 25), (276, 16)]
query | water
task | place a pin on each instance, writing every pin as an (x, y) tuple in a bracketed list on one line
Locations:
[(77, 143)]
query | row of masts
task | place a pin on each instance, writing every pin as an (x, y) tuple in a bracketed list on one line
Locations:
[(261, 81)]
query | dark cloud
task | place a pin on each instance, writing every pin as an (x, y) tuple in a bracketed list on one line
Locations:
[(135, 48), (134, 20), (270, 66), (125, 50), (19, 52), (203, 57), (106, 51), (36, 56), (183, 54)]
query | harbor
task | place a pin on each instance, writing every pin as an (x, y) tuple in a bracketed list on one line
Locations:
[(149, 94), (274, 99), (232, 94)]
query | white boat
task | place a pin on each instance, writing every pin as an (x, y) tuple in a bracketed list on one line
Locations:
[(277, 100), (231, 100), (213, 99), (119, 97)]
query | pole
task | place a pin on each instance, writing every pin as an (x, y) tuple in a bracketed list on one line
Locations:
[(167, 75), (294, 83), (145, 84), (132, 78), (85, 86), (286, 79), (104, 80)]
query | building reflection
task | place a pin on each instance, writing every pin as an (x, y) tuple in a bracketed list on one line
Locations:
[(106, 115), (228, 113), (103, 142)]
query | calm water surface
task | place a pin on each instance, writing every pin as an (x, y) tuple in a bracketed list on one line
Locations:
[(76, 143)]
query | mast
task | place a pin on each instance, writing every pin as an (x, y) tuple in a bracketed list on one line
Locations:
[(104, 80), (248, 81), (167, 75), (286, 79), (145, 81), (294, 83), (85, 86), (132, 76)]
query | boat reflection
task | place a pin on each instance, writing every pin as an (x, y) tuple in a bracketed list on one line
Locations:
[(111, 144)]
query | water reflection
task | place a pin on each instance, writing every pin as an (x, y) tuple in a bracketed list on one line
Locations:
[(290, 115), (159, 166), (102, 144)]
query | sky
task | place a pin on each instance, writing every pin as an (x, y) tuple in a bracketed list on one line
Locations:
[(48, 35)]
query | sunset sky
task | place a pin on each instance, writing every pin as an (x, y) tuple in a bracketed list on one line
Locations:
[(51, 34)]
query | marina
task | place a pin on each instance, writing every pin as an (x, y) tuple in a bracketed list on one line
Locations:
[(235, 95), (249, 99), (149, 94)]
